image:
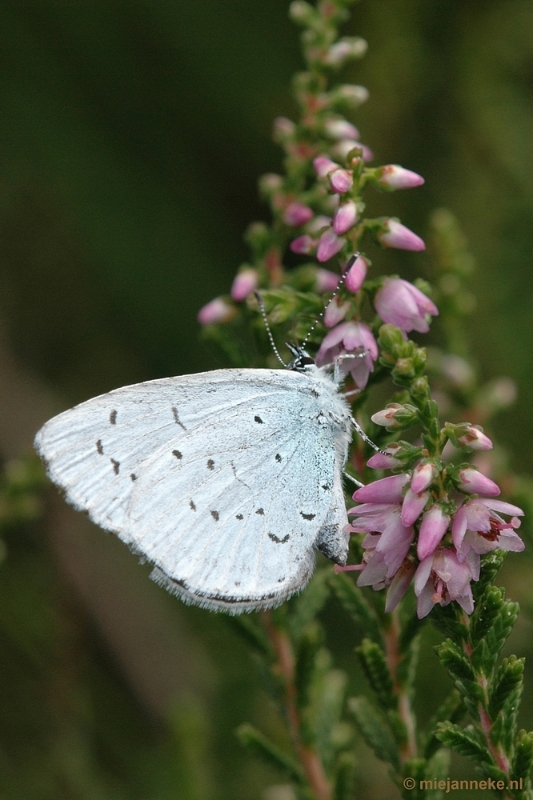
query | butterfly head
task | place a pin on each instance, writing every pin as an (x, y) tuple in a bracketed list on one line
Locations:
[(301, 358)]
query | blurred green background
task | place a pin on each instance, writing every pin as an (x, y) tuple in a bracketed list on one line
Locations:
[(131, 138)]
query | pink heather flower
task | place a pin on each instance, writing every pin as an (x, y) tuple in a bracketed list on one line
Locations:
[(400, 303), (386, 490), (345, 217), (303, 245), (215, 311), (394, 234), (474, 438), (329, 245), (345, 146), (423, 476), (326, 281), (352, 94), (386, 417), (474, 482), (347, 47), (394, 177), (346, 338), (318, 224), (478, 527), (283, 128), (335, 312), (385, 553), (297, 214), (323, 166), (386, 459), (441, 578), (399, 584), (341, 129), (244, 284), (413, 505), (341, 180), (356, 274), (432, 528)]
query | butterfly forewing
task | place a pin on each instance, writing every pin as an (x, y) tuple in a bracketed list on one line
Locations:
[(224, 480)]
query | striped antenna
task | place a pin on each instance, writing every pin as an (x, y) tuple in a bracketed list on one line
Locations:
[(350, 263), (267, 326)]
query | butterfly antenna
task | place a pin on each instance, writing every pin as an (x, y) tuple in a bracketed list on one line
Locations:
[(267, 326), (333, 296)]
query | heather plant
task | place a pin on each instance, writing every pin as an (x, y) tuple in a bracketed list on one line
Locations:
[(429, 531)]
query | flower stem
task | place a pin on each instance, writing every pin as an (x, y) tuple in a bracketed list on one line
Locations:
[(285, 668), (392, 651)]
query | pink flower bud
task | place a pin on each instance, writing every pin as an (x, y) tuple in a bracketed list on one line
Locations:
[(297, 214), (270, 183), (344, 146), (335, 312), (318, 223), (474, 439), (244, 284), (341, 180), (423, 476), (400, 303), (474, 482), (329, 245), (352, 94), (348, 47), (341, 129), (283, 128), (324, 165), (326, 281), (304, 245), (386, 490), (413, 505), (215, 311), (433, 527), (394, 177), (399, 584), (386, 417), (386, 459), (356, 274), (345, 217), (394, 234)]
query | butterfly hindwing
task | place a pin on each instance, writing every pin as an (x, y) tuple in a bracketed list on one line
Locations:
[(224, 480)]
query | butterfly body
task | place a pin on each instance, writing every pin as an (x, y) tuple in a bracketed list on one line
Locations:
[(227, 481)]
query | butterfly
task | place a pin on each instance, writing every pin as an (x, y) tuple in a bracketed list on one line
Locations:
[(226, 481)]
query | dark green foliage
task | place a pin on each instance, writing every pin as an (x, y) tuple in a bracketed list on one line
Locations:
[(375, 665), (343, 782), (357, 606), (375, 730), (262, 748), (464, 740)]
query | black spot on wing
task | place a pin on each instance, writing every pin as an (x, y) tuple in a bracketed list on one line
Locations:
[(100, 447), (307, 516), (133, 476), (191, 504), (113, 417), (177, 419), (278, 457), (239, 516), (210, 464), (277, 539), (258, 419), (116, 466), (215, 515), (260, 512), (177, 454)]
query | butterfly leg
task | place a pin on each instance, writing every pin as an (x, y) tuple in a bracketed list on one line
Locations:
[(354, 480)]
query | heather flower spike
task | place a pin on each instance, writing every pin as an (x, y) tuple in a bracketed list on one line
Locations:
[(430, 526)]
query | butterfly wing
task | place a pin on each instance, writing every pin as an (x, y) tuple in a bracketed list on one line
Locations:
[(224, 480)]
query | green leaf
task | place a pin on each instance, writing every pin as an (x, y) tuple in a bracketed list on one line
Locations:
[(351, 597), (410, 631), (486, 611), (446, 619), (454, 660), (508, 677), (309, 604), (343, 779), (500, 630), (264, 749), (452, 709), (251, 631), (523, 757), (308, 647), (463, 741), (375, 730), (377, 671), (330, 704)]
